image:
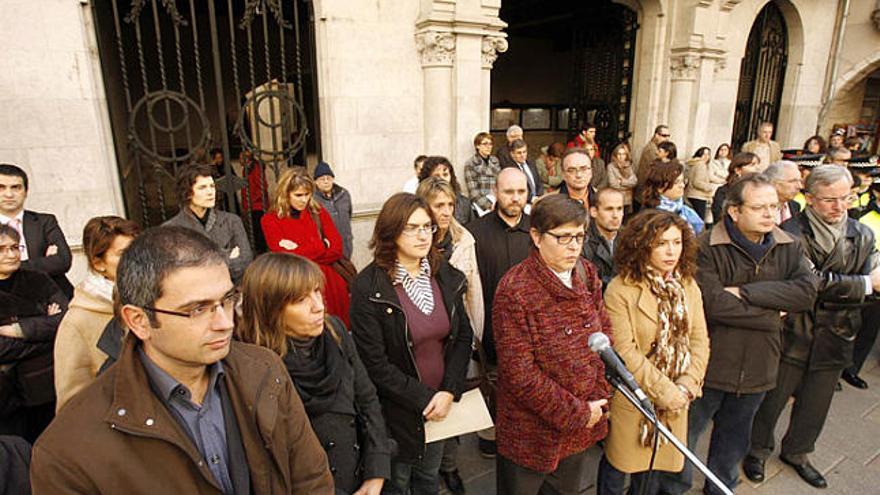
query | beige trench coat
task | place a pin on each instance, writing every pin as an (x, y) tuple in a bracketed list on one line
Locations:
[(633, 312)]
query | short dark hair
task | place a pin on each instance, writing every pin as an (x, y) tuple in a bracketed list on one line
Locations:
[(556, 210), (186, 179), (661, 176), (154, 255), (9, 231), (433, 162), (517, 144), (14, 171), (481, 136), (418, 160), (739, 161), (660, 128), (389, 226), (597, 199), (670, 149), (100, 232), (736, 192)]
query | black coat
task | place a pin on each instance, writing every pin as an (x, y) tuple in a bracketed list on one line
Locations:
[(823, 338), (598, 252), (15, 460), (351, 428), (41, 230), (746, 333), (384, 342), (28, 360)]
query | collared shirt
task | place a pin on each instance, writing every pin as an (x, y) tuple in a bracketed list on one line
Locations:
[(204, 424), (418, 289), (524, 167), (17, 223)]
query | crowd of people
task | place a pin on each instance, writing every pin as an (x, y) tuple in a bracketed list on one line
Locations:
[(202, 356)]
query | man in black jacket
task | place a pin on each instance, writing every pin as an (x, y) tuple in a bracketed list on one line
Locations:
[(606, 218), (45, 248), (786, 177), (818, 344), (752, 275)]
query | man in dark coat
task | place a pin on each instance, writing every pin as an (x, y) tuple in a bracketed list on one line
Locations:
[(519, 153), (513, 133), (606, 215), (185, 409), (752, 275), (786, 177), (46, 248), (818, 344)]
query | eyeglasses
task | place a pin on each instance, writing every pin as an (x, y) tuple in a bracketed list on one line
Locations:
[(849, 198), (414, 230), (10, 249), (771, 208), (486, 143), (204, 311), (565, 239), (664, 135), (578, 170)]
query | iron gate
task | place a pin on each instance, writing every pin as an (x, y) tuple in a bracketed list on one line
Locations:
[(603, 52), (188, 78), (761, 75)]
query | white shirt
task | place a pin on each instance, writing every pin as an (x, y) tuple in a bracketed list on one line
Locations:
[(411, 185), (20, 217), (564, 277)]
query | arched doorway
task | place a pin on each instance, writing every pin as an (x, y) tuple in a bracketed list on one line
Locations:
[(569, 63), (761, 75)]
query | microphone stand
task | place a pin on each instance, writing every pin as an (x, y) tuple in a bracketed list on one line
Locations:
[(669, 436)]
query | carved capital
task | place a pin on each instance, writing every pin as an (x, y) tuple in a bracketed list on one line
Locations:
[(685, 66), (875, 17), (492, 46), (436, 48)]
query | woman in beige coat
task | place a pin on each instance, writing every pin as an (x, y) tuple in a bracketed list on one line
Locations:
[(77, 357), (656, 311)]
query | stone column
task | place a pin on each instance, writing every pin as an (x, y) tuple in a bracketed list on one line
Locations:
[(491, 47), (684, 68), (437, 51)]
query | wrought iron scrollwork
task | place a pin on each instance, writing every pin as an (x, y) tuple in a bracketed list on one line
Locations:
[(170, 6), (185, 107), (291, 123), (254, 8)]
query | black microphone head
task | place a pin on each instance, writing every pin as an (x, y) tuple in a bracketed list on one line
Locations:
[(598, 342)]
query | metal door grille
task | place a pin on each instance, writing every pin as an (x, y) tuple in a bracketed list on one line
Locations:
[(761, 75), (185, 77)]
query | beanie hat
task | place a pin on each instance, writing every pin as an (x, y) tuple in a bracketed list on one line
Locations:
[(323, 169)]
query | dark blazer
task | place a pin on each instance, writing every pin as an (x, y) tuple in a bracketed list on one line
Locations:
[(384, 343), (539, 184), (597, 252), (794, 207), (41, 230)]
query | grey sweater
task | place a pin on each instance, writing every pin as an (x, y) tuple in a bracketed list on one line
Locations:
[(226, 230)]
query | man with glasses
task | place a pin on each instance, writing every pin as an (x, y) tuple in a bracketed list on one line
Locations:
[(752, 274), (818, 343), (551, 388), (786, 177), (649, 152), (577, 172), (185, 409)]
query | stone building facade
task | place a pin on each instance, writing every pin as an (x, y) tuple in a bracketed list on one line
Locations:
[(397, 78)]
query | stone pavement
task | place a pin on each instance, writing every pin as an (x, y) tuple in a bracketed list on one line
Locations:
[(847, 454)]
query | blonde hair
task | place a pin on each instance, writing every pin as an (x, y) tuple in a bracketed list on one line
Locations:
[(270, 283), (429, 189), (291, 180)]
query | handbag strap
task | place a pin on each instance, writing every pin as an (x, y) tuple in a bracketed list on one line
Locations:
[(316, 217)]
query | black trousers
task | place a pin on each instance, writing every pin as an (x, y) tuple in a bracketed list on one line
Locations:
[(513, 479), (612, 481), (699, 206), (866, 337), (812, 391)]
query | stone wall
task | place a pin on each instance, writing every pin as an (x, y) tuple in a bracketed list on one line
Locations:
[(53, 114)]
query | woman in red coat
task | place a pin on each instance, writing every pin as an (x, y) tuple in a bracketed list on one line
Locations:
[(290, 227)]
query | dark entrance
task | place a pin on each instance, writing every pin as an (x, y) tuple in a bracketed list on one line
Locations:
[(761, 75), (569, 63), (188, 78)]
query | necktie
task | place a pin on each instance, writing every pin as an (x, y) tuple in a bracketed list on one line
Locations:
[(525, 170)]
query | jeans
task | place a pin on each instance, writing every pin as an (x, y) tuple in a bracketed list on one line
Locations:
[(416, 478), (732, 416), (611, 481)]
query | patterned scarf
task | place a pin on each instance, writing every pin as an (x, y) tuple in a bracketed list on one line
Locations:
[(417, 289), (671, 353)]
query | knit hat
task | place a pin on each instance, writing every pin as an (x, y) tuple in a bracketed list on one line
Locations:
[(323, 169)]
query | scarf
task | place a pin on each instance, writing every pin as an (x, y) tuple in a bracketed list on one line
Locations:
[(684, 211), (671, 353), (418, 289), (756, 251), (827, 235), (316, 367), (98, 286)]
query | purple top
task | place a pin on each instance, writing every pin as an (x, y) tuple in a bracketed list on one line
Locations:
[(429, 333)]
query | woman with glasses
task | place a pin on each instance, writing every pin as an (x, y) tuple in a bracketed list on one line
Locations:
[(77, 355), (413, 334), (282, 309), (656, 309), (31, 308), (480, 171), (664, 190), (299, 225), (622, 176), (552, 391)]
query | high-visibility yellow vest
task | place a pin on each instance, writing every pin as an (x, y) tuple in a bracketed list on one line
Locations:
[(872, 221)]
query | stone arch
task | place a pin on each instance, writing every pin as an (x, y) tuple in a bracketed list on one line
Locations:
[(859, 71), (847, 94)]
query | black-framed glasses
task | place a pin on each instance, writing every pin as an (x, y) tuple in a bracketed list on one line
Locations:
[(565, 239), (206, 310)]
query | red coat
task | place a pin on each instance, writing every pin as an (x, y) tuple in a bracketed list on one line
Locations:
[(304, 233), (256, 186), (546, 371)]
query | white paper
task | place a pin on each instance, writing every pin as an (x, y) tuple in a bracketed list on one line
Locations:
[(468, 415)]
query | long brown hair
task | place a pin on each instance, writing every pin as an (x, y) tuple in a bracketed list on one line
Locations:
[(389, 226), (270, 283), (291, 180), (661, 177), (637, 240)]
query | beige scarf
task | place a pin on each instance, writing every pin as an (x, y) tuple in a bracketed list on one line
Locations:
[(671, 354)]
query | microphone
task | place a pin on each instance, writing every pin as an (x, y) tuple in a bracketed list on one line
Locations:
[(614, 366)]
